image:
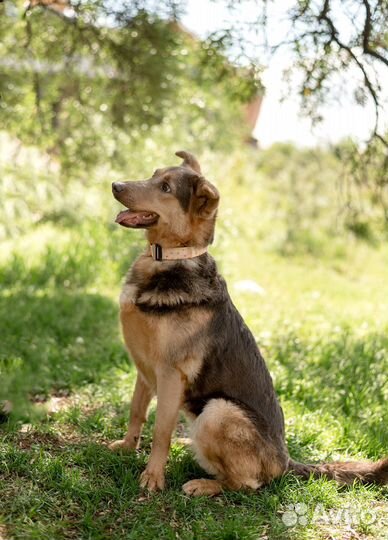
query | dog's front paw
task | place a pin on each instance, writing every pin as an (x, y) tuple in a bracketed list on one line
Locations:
[(122, 445), (152, 480)]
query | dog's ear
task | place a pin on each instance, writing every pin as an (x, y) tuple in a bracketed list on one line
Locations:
[(189, 160), (206, 198)]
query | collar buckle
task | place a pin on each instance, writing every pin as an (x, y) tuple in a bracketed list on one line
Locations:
[(157, 252)]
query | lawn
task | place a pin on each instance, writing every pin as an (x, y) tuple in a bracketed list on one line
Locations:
[(320, 319)]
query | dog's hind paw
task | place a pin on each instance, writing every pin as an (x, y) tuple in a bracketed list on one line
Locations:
[(202, 486)]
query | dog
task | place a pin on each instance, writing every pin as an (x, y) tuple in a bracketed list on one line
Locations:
[(193, 350)]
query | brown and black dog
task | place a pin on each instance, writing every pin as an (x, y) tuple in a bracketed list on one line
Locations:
[(193, 350)]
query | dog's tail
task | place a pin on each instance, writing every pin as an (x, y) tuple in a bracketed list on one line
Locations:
[(346, 472)]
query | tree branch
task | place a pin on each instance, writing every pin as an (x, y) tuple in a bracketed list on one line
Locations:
[(366, 35), (323, 16)]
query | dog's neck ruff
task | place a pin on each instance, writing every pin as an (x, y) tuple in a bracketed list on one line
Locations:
[(159, 253)]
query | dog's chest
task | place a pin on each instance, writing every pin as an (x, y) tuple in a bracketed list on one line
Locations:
[(141, 334), (154, 340)]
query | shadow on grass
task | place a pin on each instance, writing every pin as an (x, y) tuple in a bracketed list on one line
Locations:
[(56, 339)]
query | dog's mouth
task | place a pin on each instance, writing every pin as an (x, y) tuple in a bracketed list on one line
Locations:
[(136, 220)]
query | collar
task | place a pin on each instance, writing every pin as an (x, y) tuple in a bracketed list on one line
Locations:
[(175, 254)]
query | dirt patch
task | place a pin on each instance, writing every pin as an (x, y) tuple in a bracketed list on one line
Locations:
[(29, 438), (55, 402)]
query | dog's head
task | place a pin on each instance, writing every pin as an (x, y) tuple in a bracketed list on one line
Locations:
[(177, 205)]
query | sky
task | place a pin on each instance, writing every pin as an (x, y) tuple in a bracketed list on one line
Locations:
[(281, 120)]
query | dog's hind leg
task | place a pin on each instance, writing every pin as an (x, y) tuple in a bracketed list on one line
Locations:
[(228, 446)]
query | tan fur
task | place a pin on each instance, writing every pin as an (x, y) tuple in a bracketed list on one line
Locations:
[(175, 228), (227, 445), (170, 394), (151, 339), (202, 486), (127, 297), (138, 336), (189, 232), (190, 229)]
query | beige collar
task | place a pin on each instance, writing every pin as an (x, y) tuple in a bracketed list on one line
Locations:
[(175, 254)]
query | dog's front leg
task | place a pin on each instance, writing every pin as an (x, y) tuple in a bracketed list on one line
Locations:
[(140, 400), (169, 396)]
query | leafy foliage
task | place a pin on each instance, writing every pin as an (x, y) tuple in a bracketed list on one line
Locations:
[(89, 82), (86, 84)]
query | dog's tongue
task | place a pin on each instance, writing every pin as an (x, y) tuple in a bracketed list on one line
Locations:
[(133, 219)]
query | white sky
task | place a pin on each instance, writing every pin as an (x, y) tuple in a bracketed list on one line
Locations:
[(282, 121)]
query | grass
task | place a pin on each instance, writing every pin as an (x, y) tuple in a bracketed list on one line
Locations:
[(320, 320)]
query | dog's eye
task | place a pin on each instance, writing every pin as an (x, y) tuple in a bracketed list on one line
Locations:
[(165, 187)]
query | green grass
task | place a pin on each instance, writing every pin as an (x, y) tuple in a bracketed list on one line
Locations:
[(320, 320)]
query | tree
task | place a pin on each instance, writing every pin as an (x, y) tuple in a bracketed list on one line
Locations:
[(83, 79), (331, 41)]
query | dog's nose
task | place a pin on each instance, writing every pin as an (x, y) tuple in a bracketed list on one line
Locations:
[(117, 187)]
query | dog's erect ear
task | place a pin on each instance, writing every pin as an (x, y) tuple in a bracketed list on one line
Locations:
[(206, 198), (189, 160)]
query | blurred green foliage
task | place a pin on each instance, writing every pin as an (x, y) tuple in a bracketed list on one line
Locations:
[(88, 86), (304, 198), (105, 89)]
